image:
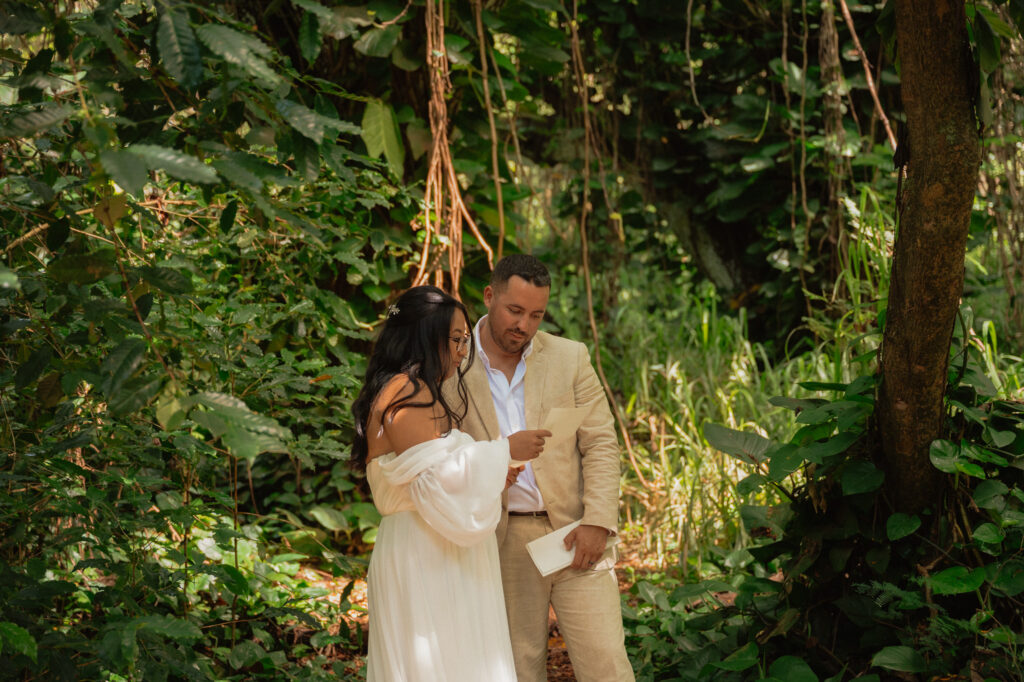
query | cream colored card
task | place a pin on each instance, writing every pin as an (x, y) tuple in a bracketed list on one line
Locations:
[(563, 422), (549, 553)]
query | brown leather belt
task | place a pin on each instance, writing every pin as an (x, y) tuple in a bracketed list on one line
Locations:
[(522, 513)]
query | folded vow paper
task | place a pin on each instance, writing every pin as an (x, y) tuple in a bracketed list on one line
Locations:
[(562, 422), (549, 553)]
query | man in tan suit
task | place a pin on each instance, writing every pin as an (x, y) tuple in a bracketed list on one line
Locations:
[(520, 376)]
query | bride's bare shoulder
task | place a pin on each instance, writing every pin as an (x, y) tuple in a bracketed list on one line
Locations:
[(400, 388), (395, 431)]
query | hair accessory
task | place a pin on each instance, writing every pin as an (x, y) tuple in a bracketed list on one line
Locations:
[(392, 310)]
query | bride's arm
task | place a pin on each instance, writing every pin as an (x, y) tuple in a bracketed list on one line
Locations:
[(459, 494)]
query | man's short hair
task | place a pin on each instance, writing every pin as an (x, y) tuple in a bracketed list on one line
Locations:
[(520, 265)]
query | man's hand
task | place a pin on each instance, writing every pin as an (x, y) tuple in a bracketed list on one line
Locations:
[(511, 476), (589, 542)]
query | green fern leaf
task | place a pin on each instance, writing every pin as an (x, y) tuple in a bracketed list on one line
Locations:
[(178, 48)]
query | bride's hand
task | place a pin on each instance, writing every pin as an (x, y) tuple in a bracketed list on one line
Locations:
[(526, 445)]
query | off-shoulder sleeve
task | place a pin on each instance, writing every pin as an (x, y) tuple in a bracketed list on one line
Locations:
[(455, 483)]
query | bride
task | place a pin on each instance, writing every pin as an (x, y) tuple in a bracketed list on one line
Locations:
[(435, 601)]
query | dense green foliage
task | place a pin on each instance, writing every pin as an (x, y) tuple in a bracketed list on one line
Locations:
[(834, 584), (206, 254), (206, 207)]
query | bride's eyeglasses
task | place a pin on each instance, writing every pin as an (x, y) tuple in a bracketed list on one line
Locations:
[(461, 342)]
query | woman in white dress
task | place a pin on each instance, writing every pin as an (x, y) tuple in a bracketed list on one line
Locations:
[(437, 613)]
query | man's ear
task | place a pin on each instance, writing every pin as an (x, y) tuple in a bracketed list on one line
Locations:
[(488, 296)]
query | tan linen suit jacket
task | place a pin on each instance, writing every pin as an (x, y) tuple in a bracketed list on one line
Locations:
[(578, 480)]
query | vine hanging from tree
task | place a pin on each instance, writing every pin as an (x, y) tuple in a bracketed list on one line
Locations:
[(444, 211)]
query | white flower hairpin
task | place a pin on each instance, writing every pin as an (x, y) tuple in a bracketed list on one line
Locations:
[(392, 310)]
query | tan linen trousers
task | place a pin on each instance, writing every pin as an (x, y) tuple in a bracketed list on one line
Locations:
[(585, 602)]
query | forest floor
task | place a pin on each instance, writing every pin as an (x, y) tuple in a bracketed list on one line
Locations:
[(559, 665)]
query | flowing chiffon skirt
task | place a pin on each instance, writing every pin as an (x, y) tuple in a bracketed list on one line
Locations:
[(436, 608)]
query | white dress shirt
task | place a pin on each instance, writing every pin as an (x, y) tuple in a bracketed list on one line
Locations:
[(509, 399)]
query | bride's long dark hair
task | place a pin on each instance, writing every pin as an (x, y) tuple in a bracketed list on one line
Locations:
[(414, 342)]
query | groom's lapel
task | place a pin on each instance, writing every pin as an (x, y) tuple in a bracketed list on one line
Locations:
[(533, 391), (533, 395), (480, 400)]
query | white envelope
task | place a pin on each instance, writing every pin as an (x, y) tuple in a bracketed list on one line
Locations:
[(549, 553)]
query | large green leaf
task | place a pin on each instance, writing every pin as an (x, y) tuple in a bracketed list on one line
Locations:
[(982, 454), (170, 409), (943, 454), (307, 157), (378, 42), (247, 444), (303, 119), (989, 533), (17, 640), (861, 477), (211, 422), (28, 123), (174, 163), (234, 410), (957, 580), (165, 279), (245, 654), (381, 135), (241, 50), (31, 369), (126, 169), (745, 446), (900, 525), (178, 48), (901, 658), (325, 14), (234, 580), (784, 461), (330, 518), (310, 37), (760, 517), (1009, 578), (822, 386), (741, 659), (792, 669), (829, 410), (796, 404), (990, 494), (238, 175), (988, 43), (134, 394), (122, 363), (820, 450)]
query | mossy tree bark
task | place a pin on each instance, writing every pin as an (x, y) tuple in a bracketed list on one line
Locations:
[(928, 264)]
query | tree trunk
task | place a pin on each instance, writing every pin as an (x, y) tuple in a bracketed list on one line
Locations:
[(928, 263)]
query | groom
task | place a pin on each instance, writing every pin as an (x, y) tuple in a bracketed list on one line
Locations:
[(520, 377)]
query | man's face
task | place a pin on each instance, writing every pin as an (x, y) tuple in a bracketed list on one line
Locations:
[(514, 313)]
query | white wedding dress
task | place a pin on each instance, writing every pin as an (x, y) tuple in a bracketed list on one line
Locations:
[(436, 608)]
